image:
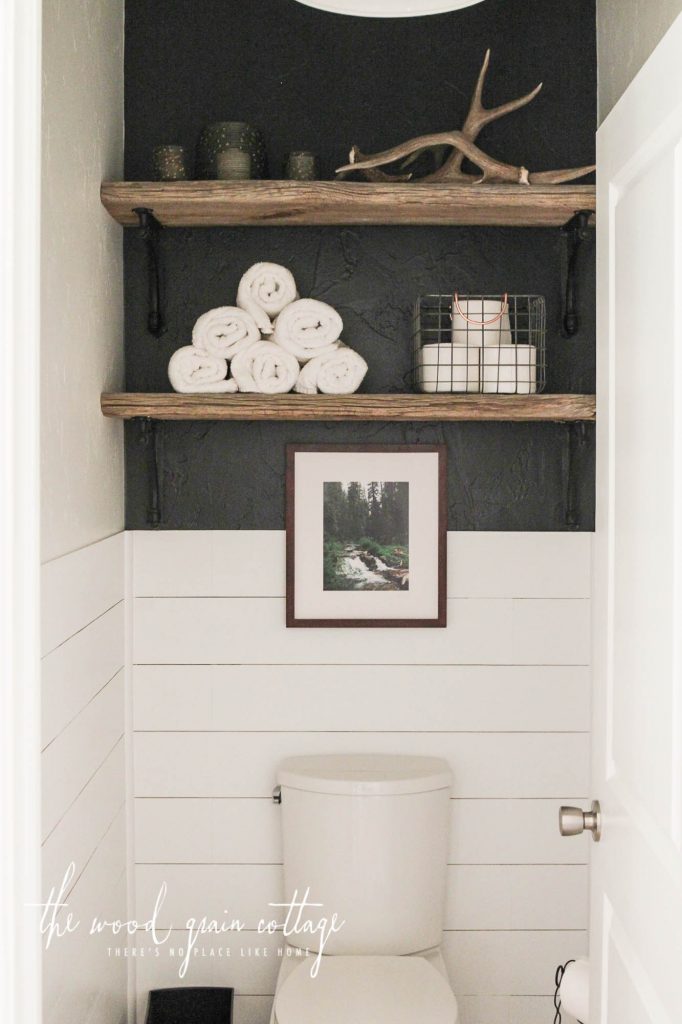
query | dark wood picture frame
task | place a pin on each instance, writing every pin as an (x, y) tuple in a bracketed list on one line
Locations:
[(291, 620)]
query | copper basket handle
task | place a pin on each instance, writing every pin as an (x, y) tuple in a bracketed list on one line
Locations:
[(481, 323)]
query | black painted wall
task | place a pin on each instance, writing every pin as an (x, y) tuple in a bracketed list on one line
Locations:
[(322, 81)]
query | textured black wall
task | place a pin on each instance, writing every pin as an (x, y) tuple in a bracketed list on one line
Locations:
[(321, 81)]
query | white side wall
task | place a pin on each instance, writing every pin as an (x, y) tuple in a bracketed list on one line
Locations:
[(223, 691), (82, 503), (628, 32), (82, 274)]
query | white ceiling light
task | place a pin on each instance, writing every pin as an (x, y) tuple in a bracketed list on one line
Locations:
[(389, 8)]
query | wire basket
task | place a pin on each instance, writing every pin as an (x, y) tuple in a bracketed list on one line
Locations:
[(490, 344)]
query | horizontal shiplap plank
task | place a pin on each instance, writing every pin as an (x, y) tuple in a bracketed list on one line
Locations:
[(207, 831), (332, 697), (512, 832), (516, 896), (472, 1010), (243, 831), (507, 897), (507, 1010), (250, 563), (482, 564), (491, 963), (74, 672), (87, 820), (79, 587), (71, 760), (208, 563), (245, 764), (252, 631)]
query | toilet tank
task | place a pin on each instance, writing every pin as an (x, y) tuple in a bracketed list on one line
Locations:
[(367, 835)]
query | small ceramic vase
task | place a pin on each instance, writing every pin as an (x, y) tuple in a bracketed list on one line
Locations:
[(170, 163), (222, 135), (234, 165), (301, 166)]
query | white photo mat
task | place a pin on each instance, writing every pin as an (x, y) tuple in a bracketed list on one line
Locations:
[(421, 471)]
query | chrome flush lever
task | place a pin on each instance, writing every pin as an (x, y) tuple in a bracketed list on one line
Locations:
[(573, 821), (277, 795)]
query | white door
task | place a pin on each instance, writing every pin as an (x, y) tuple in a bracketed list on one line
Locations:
[(636, 923)]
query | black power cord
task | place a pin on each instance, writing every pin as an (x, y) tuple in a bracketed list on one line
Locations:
[(558, 978)]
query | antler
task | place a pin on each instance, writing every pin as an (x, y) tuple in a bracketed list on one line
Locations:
[(492, 170), (462, 143), (372, 174), (478, 117)]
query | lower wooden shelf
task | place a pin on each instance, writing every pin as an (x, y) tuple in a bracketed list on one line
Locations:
[(395, 407)]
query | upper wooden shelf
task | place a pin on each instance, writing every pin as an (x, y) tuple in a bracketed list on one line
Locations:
[(395, 407), (274, 203)]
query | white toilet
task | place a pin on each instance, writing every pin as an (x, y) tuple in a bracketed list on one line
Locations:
[(367, 835)]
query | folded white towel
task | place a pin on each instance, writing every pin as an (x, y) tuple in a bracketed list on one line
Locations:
[(225, 331), (308, 328), (265, 368), (193, 372), (264, 291), (339, 373)]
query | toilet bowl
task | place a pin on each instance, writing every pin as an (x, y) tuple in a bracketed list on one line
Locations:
[(367, 837)]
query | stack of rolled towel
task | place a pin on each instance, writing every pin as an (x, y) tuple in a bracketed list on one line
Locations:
[(271, 342)]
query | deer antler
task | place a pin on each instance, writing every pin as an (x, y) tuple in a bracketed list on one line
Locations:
[(372, 174), (462, 143), (478, 117), (492, 170)]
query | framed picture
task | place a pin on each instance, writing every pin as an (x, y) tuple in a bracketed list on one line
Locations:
[(366, 535)]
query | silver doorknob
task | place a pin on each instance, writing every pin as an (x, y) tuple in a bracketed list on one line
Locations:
[(573, 821)]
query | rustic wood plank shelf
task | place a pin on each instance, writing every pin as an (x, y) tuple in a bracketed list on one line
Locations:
[(277, 203), (395, 407)]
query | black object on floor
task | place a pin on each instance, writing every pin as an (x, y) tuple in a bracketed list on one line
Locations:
[(190, 1006)]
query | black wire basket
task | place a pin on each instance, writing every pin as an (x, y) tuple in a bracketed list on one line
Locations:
[(489, 344)]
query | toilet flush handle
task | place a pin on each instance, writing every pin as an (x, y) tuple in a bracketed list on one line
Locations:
[(573, 821), (277, 795)]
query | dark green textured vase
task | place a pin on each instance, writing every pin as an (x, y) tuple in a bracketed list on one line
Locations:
[(216, 138)]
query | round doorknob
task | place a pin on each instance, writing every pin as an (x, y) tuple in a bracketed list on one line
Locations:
[(573, 821)]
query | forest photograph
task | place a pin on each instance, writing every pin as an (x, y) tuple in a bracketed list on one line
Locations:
[(366, 535)]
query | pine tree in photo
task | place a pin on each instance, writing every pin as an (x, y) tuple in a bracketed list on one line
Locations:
[(356, 499), (374, 507), (334, 510)]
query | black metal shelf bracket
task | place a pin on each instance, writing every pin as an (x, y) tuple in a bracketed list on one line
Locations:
[(576, 437), (576, 231), (150, 438), (149, 232)]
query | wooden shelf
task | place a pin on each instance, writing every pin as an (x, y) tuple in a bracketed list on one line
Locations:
[(275, 203), (397, 407)]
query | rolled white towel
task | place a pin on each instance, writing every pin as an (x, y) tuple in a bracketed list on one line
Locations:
[(339, 373), (264, 291), (308, 328), (193, 372), (265, 369), (225, 331)]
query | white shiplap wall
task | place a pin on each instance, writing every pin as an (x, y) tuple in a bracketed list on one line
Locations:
[(222, 691), (84, 777)]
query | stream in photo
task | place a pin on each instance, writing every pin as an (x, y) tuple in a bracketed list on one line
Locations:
[(367, 572)]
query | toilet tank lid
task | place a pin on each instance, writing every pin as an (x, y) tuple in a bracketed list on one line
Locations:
[(365, 774)]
